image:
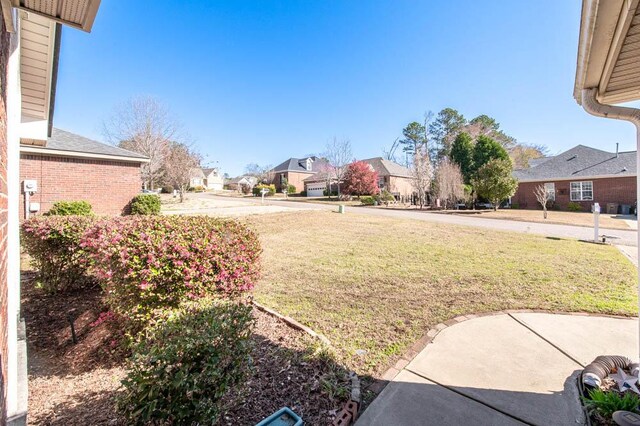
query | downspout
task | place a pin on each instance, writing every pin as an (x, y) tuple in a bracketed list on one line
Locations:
[(591, 104)]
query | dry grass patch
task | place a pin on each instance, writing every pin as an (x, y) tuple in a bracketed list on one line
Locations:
[(609, 221), (378, 283)]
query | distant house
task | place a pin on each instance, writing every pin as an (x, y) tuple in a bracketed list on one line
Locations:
[(206, 178), (296, 170), (213, 179), (197, 178), (241, 182), (581, 175), (391, 177), (71, 167)]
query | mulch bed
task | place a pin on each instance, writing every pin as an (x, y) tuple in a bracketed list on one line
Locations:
[(76, 384)]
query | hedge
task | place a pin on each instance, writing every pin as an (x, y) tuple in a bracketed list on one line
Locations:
[(186, 362), (54, 244), (70, 208), (145, 204), (145, 263), (257, 190)]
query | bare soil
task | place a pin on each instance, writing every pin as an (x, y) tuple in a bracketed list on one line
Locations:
[(76, 384)]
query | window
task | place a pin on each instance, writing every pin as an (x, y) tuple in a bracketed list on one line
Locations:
[(381, 182), (581, 191), (550, 187)]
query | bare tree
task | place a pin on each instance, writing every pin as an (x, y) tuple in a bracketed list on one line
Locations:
[(264, 174), (326, 172), (392, 153), (338, 154), (179, 166), (544, 197), (146, 126), (449, 182), (421, 174)]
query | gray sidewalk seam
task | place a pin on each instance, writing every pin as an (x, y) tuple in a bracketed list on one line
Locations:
[(470, 397), (562, 351)]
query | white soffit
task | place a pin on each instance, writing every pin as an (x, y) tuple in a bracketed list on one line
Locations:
[(37, 40), (609, 50), (75, 13)]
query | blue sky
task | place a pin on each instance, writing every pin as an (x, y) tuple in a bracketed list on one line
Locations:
[(264, 80)]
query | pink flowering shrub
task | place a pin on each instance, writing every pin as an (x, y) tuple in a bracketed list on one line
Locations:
[(148, 263), (53, 242)]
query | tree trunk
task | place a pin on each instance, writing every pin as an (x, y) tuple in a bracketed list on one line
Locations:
[(545, 212), (182, 194)]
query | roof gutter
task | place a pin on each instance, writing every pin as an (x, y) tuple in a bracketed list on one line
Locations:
[(591, 104)]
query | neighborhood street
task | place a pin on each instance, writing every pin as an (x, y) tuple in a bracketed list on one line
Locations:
[(218, 205)]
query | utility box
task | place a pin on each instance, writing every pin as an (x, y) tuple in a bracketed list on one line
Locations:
[(612, 208)]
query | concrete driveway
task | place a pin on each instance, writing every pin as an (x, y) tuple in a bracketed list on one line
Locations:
[(508, 369)]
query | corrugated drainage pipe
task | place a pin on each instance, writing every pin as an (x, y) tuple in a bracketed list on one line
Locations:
[(591, 104), (594, 373)]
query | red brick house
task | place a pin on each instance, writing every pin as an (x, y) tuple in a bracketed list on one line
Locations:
[(71, 167), (30, 34), (581, 175), (296, 170)]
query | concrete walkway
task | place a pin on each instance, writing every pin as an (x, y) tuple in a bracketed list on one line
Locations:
[(508, 369)]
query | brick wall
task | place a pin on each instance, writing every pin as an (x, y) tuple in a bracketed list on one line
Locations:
[(620, 190), (293, 178), (401, 185), (4, 57), (108, 185)]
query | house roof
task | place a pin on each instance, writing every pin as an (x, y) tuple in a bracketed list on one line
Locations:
[(298, 165), (208, 171), (581, 162), (239, 179), (388, 167), (62, 142)]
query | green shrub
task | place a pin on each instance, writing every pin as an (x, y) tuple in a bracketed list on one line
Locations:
[(368, 200), (385, 196), (326, 193), (515, 205), (145, 263), (574, 207), (257, 190), (70, 208), (54, 244), (145, 204), (291, 189), (167, 189), (186, 362), (606, 403)]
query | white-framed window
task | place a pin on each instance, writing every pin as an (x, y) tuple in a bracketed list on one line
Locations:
[(582, 191), (550, 188)]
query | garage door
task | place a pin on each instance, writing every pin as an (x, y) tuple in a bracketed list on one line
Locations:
[(315, 190)]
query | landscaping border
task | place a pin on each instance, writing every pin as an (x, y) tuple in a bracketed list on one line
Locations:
[(292, 323), (379, 384)]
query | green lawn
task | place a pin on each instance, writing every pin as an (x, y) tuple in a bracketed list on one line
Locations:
[(378, 284)]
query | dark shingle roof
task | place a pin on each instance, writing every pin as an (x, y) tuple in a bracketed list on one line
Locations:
[(581, 162), (297, 165), (388, 167), (66, 141)]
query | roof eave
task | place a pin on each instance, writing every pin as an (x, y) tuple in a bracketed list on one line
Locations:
[(79, 154), (603, 30)]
